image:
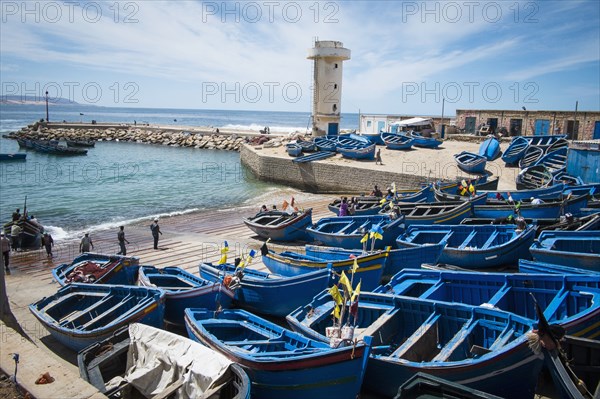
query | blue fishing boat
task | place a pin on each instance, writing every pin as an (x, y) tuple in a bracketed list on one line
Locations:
[(555, 161), (579, 249), (490, 148), (374, 138), (361, 152), (557, 145), (544, 141), (16, 156), (481, 182), (537, 176), (293, 149), (307, 145), (268, 293), (571, 301), (345, 141), (365, 205), (449, 198), (550, 209), (325, 143), (55, 148), (395, 141), (543, 193), (99, 269), (79, 315), (535, 267), (470, 162), (348, 231), (566, 179), (280, 362), (397, 259), (473, 246), (531, 156), (288, 263), (422, 141), (435, 213), (184, 290), (423, 385), (573, 223), (515, 151), (81, 143), (315, 156), (482, 348), (280, 225), (202, 370)]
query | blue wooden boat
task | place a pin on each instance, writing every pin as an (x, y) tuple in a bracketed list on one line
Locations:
[(546, 210), (490, 148), (293, 149), (202, 369), (325, 143), (557, 145), (31, 238), (537, 176), (397, 259), (473, 246), (582, 223), (482, 182), (98, 268), (288, 263), (449, 198), (17, 156), (422, 141), (81, 143), (579, 249), (79, 315), (348, 231), (267, 293), (54, 148), (531, 156), (435, 213), (184, 290), (571, 301), (279, 225), (395, 141), (567, 179), (555, 161), (365, 205), (470, 162), (362, 152), (543, 193), (516, 150), (482, 348), (315, 156), (280, 362), (374, 138), (346, 141), (544, 141), (535, 267), (307, 145), (423, 385)]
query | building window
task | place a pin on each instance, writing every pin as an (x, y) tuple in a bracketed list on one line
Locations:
[(369, 123)]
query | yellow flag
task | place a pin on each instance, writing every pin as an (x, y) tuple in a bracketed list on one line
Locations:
[(224, 251), (335, 294), (336, 312), (356, 291), (355, 266), (383, 200), (346, 283), (377, 236), (365, 238)]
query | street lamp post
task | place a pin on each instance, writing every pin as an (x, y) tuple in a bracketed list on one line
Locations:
[(47, 118)]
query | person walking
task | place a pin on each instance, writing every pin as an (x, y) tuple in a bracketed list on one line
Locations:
[(86, 243), (5, 245), (378, 157), (48, 244), (122, 241), (155, 232)]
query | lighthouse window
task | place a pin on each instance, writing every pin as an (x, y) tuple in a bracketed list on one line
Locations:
[(336, 65), (334, 107)]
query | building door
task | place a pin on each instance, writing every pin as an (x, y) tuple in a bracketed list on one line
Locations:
[(572, 129), (493, 124), (332, 129), (516, 126), (541, 127), (596, 134), (470, 125), (380, 126)]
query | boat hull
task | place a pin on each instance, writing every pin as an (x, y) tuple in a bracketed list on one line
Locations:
[(580, 249), (490, 149), (113, 269), (547, 210), (289, 228), (470, 162)]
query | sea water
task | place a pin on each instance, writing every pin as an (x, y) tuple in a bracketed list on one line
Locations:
[(121, 182)]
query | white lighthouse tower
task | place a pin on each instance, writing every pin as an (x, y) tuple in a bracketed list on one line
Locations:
[(328, 57)]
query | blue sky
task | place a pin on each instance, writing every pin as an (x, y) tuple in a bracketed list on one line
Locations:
[(406, 56)]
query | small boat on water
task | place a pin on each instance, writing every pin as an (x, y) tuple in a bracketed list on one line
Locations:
[(473, 246), (95, 268), (572, 302), (395, 141), (268, 293), (421, 141), (397, 259), (580, 249), (184, 290), (549, 209), (537, 176), (280, 225), (315, 156), (79, 315), (31, 236), (349, 231), (280, 362), (15, 156), (555, 161), (288, 263), (125, 365), (81, 143), (293, 149), (490, 148), (359, 152), (470, 162), (55, 148), (515, 151), (531, 156), (325, 143), (482, 348)]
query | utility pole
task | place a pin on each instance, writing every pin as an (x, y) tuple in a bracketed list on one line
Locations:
[(47, 118)]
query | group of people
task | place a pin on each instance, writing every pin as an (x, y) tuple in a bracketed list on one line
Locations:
[(466, 189), (348, 208)]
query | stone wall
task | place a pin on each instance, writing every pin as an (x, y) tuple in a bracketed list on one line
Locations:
[(321, 177)]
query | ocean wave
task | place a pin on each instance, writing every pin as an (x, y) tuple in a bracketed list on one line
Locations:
[(257, 128)]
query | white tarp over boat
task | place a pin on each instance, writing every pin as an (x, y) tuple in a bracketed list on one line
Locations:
[(160, 361), (414, 122)]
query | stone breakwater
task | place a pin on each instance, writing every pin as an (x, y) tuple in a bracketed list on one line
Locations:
[(195, 137)]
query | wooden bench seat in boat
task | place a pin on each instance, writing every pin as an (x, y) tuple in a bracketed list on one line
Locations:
[(111, 310), (455, 342), (71, 317), (425, 337)]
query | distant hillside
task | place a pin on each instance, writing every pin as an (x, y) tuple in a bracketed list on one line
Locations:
[(34, 100)]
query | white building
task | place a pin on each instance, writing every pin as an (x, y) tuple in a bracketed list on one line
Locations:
[(375, 124), (328, 57)]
